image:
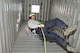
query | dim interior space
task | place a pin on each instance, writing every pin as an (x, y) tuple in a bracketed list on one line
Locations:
[(14, 16)]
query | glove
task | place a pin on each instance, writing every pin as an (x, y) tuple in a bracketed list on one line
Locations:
[(41, 25)]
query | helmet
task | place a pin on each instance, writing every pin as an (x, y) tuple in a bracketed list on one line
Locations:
[(31, 15)]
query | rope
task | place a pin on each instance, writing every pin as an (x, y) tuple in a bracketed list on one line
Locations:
[(45, 49)]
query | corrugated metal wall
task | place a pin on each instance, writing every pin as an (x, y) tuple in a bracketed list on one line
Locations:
[(9, 10), (44, 9), (66, 10), (69, 12), (0, 25)]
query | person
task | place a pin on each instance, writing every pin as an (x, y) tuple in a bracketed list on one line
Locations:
[(36, 25)]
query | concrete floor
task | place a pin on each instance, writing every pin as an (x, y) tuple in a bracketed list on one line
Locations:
[(29, 43)]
